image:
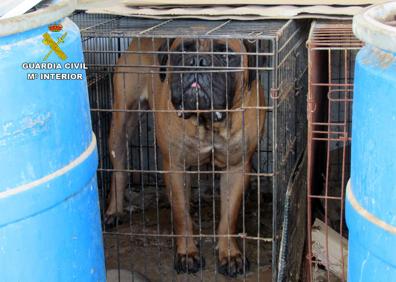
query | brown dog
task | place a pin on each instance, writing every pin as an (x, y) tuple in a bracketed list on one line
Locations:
[(192, 127)]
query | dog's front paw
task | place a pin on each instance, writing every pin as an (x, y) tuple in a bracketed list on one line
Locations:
[(233, 265), (189, 263), (110, 221)]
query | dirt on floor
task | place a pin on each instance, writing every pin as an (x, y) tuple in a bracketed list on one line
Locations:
[(143, 243), (155, 261)]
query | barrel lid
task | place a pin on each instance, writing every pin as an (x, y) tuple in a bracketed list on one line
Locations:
[(38, 18), (376, 25)]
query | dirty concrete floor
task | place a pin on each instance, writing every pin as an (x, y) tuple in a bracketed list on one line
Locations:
[(136, 246), (155, 261)]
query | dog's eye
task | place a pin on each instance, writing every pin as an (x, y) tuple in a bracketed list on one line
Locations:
[(225, 51)]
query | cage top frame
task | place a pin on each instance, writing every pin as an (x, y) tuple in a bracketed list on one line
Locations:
[(332, 35), (103, 25)]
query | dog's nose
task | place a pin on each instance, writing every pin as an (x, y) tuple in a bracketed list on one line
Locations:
[(200, 61), (191, 61), (205, 61)]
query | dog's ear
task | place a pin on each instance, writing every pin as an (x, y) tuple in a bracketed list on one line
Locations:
[(163, 57), (254, 61)]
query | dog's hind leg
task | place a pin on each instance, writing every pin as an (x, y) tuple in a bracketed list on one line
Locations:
[(130, 91), (232, 185)]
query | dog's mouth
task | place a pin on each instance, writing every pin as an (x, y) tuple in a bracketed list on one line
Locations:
[(203, 117), (196, 102), (195, 86)]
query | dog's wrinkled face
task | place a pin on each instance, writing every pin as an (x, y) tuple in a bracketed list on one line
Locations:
[(200, 81), (201, 78)]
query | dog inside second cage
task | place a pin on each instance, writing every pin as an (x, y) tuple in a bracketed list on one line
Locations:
[(200, 123)]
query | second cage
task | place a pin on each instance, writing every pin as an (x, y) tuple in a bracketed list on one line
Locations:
[(332, 49)]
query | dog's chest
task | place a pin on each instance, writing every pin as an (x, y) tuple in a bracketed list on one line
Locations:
[(225, 147)]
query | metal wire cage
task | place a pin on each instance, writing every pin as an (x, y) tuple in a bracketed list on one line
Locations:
[(145, 241), (332, 49)]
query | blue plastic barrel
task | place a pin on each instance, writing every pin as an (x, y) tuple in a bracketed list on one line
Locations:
[(49, 211), (371, 192)]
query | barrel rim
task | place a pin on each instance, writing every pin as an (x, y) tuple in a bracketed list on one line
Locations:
[(74, 163), (25, 22), (378, 222), (370, 27), (48, 191)]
